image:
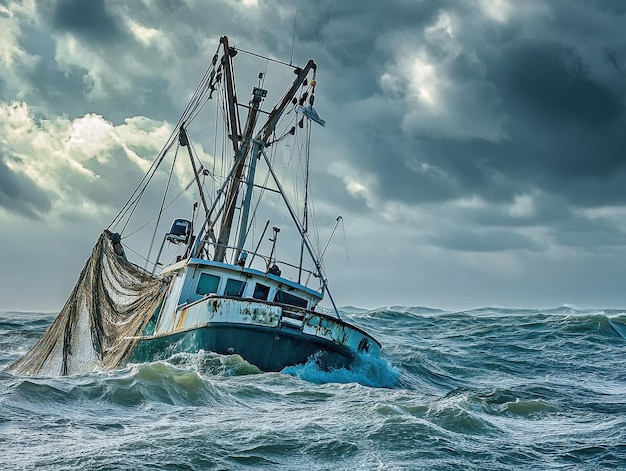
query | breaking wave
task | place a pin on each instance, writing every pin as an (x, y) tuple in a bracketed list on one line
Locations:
[(366, 370)]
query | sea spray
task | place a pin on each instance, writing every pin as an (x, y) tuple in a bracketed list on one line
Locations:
[(368, 371)]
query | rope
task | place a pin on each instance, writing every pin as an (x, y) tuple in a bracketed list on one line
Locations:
[(345, 241), (188, 115), (156, 226), (153, 217)]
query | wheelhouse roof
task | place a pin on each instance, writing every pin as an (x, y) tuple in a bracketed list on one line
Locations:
[(200, 262)]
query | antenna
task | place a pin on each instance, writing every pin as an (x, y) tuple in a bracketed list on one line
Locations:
[(273, 241), (338, 220), (293, 38)]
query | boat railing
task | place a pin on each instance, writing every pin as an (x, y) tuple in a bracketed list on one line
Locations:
[(265, 258)]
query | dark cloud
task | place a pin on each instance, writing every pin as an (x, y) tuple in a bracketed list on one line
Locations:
[(58, 90), (561, 112), (89, 21), (50, 89), (531, 105), (354, 34), (485, 241), (169, 6), (586, 236), (544, 209), (565, 126), (560, 115), (554, 84), (20, 195), (614, 7)]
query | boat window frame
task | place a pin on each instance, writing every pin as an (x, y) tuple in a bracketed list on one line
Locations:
[(289, 298), (217, 286), (242, 287), (264, 295)]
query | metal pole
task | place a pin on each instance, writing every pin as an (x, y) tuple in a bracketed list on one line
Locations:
[(307, 244)]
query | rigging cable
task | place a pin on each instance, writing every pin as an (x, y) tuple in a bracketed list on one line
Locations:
[(136, 195), (133, 200), (338, 220), (345, 241), (215, 136), (156, 226), (126, 247), (172, 201), (293, 38), (305, 211), (295, 220)]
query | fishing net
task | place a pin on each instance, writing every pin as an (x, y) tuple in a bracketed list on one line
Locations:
[(111, 304)]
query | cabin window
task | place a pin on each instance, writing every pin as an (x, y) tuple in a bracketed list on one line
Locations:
[(261, 291), (234, 287), (207, 284), (287, 298)]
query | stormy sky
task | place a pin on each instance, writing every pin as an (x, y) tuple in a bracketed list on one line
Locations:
[(475, 149)]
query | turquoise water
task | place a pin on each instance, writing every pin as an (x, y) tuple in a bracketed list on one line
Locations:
[(487, 389)]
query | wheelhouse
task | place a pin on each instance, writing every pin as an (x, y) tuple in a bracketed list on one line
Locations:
[(198, 278)]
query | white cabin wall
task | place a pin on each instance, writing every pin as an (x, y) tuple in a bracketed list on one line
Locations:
[(171, 302)]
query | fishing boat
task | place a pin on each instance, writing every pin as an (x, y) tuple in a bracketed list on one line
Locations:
[(224, 289)]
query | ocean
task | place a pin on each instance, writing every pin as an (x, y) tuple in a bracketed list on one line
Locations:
[(483, 389)]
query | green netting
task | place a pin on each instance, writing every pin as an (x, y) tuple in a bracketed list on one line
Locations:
[(110, 305)]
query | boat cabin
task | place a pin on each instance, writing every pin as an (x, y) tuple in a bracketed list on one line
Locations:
[(198, 278)]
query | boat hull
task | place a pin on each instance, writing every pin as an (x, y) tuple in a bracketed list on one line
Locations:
[(268, 336), (266, 348)]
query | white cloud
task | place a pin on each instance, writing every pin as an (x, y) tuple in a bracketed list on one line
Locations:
[(13, 57), (101, 78), (73, 160), (143, 34), (523, 206), (502, 11), (497, 10), (425, 85), (359, 184)]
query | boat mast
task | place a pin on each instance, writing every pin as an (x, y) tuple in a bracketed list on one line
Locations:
[(278, 110), (184, 142), (259, 143), (231, 95), (235, 135), (305, 215), (258, 94), (245, 208)]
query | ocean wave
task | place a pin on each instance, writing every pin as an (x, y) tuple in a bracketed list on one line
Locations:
[(482, 389), (366, 370), (130, 387)]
